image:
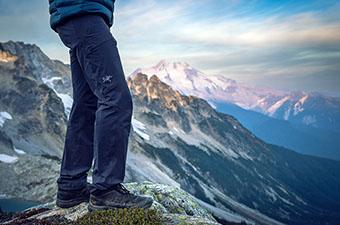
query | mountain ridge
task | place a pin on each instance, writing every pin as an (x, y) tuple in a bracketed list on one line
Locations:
[(307, 115), (182, 141), (252, 154), (286, 105)]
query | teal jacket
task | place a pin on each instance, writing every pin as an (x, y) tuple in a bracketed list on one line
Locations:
[(62, 10)]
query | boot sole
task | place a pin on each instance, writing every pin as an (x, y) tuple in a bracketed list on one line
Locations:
[(92, 207), (70, 203)]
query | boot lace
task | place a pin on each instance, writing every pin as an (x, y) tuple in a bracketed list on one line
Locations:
[(122, 189)]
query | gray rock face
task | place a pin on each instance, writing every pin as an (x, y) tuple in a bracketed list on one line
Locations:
[(175, 205), (38, 121), (30, 177), (34, 91), (29, 59), (6, 144)]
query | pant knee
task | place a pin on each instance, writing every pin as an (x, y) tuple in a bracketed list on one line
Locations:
[(120, 100)]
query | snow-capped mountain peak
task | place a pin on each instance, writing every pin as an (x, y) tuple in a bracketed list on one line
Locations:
[(166, 64), (167, 68), (181, 76), (298, 106), (190, 81)]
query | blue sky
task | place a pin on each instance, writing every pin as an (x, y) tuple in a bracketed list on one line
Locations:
[(283, 44)]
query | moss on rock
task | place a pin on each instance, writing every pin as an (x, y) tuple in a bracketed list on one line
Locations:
[(122, 216)]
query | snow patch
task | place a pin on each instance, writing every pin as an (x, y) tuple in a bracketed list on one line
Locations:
[(258, 173), (19, 151), (282, 189), (298, 107), (201, 140), (178, 130), (212, 105), (271, 193), (287, 113), (66, 99), (277, 105), (49, 81), (3, 117), (308, 120), (147, 169), (2, 196), (274, 196), (229, 216), (8, 159), (243, 210), (139, 127), (245, 155)]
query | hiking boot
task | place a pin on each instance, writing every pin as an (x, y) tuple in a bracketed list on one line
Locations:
[(67, 198), (118, 197)]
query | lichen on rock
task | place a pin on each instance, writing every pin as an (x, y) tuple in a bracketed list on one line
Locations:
[(171, 205)]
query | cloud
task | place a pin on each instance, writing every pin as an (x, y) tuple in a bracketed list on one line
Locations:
[(268, 44), (296, 31), (255, 41)]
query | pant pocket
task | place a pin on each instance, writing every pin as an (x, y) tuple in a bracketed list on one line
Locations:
[(102, 66), (67, 34)]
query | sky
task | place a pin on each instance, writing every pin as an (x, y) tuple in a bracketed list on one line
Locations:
[(290, 45)]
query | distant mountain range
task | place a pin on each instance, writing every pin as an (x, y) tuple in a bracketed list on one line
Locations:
[(176, 139), (300, 107), (306, 122)]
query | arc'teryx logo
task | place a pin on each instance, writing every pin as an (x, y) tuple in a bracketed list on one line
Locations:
[(107, 79)]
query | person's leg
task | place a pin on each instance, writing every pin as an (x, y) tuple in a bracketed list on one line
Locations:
[(113, 120), (97, 52), (78, 148), (99, 58)]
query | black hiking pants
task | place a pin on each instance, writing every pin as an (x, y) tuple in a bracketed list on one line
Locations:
[(100, 119)]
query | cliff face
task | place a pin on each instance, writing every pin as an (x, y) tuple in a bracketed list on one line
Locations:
[(31, 60), (36, 120)]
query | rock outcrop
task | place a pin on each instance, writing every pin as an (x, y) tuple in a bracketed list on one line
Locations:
[(173, 205)]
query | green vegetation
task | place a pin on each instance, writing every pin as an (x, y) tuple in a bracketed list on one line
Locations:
[(126, 216)]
